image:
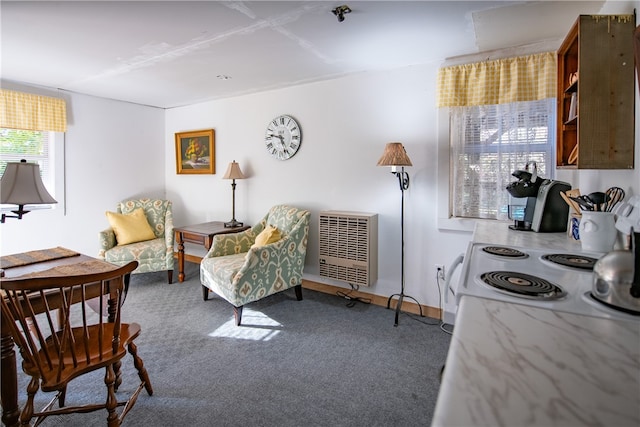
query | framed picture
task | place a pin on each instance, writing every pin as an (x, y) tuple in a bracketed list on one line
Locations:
[(195, 152)]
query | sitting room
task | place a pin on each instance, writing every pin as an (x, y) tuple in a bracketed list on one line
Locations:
[(240, 152)]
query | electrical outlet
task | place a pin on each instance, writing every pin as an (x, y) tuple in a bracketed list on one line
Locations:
[(440, 270)]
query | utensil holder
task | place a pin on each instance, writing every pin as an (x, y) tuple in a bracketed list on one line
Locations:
[(597, 231)]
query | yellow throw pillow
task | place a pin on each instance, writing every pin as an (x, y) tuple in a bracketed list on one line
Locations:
[(269, 235), (130, 228)]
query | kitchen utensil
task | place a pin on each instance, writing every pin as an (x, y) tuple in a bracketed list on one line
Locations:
[(586, 205), (597, 231), (616, 278), (616, 195), (598, 199), (572, 204)]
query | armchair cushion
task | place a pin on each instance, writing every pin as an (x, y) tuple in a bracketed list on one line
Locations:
[(130, 228)]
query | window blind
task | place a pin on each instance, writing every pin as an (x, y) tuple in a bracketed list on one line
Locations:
[(488, 143)]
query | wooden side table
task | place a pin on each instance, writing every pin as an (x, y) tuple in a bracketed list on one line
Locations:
[(201, 234)]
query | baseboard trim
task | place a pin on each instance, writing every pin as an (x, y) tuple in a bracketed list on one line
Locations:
[(407, 306)]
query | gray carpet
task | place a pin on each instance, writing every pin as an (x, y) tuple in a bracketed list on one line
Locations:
[(314, 362)]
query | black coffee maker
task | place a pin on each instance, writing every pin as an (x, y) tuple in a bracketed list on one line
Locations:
[(545, 210)]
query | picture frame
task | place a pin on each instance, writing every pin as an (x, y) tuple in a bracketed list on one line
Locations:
[(195, 152)]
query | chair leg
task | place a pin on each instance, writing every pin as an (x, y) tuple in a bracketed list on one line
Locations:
[(27, 411), (298, 289), (142, 371), (116, 370), (170, 276), (62, 397), (112, 401), (237, 314)]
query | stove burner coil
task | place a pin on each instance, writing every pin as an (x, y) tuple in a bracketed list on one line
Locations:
[(571, 260), (523, 285), (504, 252)]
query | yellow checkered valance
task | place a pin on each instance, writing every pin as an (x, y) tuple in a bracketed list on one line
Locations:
[(26, 111), (503, 81)]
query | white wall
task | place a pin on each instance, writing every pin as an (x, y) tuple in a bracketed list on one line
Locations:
[(117, 150), (114, 150), (345, 124)]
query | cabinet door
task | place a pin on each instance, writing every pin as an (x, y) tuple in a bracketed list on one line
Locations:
[(602, 136)]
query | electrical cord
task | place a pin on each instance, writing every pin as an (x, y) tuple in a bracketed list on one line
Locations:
[(441, 323), (353, 300)]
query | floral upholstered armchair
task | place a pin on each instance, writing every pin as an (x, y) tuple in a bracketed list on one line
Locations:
[(154, 250), (263, 260)]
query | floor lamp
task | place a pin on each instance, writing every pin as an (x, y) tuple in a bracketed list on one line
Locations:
[(395, 155), (233, 173)]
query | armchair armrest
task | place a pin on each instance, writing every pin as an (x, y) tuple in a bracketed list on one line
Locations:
[(169, 235), (232, 243), (107, 241)]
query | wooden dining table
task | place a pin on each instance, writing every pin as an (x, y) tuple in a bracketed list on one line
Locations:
[(43, 263)]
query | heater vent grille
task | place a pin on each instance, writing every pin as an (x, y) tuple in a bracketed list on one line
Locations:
[(349, 247)]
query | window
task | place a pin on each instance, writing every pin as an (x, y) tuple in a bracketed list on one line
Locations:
[(488, 143), (32, 146), (495, 117), (32, 128)]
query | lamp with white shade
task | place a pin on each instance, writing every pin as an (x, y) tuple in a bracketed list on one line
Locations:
[(22, 185)]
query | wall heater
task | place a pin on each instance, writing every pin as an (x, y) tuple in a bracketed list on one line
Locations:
[(349, 247)]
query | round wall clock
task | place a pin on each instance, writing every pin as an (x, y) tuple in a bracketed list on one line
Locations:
[(283, 137)]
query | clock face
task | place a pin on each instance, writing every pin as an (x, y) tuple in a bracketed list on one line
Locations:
[(283, 137)]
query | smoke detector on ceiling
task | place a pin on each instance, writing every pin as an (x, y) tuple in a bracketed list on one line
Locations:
[(340, 11)]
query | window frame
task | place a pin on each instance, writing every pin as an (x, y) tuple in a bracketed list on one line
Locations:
[(54, 180), (444, 221)]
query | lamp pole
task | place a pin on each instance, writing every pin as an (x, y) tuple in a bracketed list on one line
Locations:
[(403, 180)]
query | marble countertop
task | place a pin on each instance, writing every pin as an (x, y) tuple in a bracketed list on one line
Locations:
[(517, 365), (499, 233)]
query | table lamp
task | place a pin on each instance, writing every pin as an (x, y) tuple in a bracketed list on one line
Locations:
[(233, 173)]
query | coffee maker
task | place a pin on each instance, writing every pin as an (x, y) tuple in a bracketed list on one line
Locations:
[(545, 210)]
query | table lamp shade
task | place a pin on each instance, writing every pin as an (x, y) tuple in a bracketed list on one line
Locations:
[(394, 155), (21, 185), (233, 171)]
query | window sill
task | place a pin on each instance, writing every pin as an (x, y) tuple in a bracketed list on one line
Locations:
[(463, 224)]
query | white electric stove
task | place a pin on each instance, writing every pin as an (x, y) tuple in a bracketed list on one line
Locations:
[(552, 279)]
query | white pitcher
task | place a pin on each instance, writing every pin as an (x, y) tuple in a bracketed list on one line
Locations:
[(597, 231)]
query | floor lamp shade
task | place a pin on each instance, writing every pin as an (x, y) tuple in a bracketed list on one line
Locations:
[(394, 155), (233, 172), (21, 185)]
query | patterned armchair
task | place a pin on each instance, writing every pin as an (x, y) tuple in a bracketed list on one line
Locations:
[(241, 274), (152, 255)]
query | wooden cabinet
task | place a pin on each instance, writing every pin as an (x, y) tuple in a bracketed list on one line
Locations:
[(596, 94)]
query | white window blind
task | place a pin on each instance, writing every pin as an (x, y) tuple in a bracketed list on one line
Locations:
[(488, 143), (32, 146)]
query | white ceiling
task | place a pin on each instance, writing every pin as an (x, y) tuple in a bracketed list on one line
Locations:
[(170, 53)]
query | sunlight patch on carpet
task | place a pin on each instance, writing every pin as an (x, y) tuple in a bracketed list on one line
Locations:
[(255, 326)]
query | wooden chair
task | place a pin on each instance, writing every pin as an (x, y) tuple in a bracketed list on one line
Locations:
[(60, 338)]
